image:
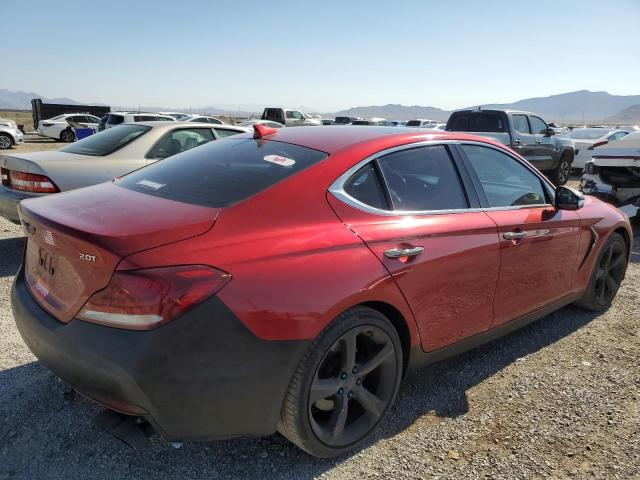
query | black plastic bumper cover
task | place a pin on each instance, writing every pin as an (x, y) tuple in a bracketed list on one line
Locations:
[(202, 376)]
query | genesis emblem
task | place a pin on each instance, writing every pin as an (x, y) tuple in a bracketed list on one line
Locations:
[(87, 257)]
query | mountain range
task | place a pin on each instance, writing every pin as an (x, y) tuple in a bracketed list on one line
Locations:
[(579, 107)]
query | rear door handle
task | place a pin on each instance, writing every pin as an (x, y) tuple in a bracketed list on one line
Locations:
[(513, 235), (403, 252), (538, 141)]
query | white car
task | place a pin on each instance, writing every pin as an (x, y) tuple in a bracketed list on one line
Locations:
[(177, 115), (99, 158), (587, 139), (10, 135), (112, 119), (202, 119), (59, 129)]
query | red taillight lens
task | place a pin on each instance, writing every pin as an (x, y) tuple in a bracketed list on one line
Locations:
[(146, 299), (30, 182), (598, 144)]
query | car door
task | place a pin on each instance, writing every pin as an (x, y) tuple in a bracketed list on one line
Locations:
[(524, 142), (544, 144), (538, 244), (411, 209), (298, 118)]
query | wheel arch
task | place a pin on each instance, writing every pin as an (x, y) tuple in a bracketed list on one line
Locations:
[(399, 323), (627, 238)]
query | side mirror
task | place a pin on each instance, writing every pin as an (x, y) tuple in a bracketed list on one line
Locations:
[(550, 132), (568, 199)]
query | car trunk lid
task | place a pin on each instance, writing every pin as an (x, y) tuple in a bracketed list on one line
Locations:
[(76, 239)]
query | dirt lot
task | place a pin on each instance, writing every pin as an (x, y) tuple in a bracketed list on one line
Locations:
[(558, 399)]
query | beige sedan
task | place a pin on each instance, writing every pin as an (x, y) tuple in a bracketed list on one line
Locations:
[(99, 158)]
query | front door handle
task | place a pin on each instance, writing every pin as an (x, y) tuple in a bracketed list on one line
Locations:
[(403, 252), (538, 141), (517, 141), (513, 235)]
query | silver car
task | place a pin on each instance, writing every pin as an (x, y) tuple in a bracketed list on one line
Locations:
[(99, 158), (10, 135)]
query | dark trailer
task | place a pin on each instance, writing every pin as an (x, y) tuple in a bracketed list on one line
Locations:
[(44, 111)]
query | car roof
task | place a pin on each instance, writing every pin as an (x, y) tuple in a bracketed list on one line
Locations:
[(333, 138), (505, 110)]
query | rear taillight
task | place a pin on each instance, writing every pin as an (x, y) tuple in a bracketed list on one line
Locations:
[(4, 176), (30, 182), (146, 299), (598, 144)]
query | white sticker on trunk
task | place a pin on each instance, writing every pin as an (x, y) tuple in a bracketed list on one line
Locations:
[(150, 184), (278, 160)]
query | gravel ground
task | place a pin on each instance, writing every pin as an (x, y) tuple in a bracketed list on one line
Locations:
[(34, 143), (558, 399)]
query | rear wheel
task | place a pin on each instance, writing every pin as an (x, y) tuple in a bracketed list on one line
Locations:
[(5, 141), (607, 275), (560, 175), (344, 385), (67, 135)]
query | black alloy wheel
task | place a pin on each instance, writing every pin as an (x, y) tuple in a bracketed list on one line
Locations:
[(344, 384)]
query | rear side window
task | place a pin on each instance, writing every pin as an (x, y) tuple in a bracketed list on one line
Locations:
[(423, 178), (115, 119), (365, 187), (180, 141), (223, 132), (521, 124), (505, 181), (222, 173), (107, 141), (413, 123)]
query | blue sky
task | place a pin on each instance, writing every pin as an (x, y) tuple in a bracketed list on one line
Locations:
[(324, 54)]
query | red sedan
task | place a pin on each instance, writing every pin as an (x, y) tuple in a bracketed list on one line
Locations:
[(290, 279)]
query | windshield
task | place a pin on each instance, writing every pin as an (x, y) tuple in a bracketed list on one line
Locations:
[(588, 133), (222, 173), (107, 141)]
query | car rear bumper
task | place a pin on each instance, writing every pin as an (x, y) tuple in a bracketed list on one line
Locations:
[(201, 376), (595, 185)]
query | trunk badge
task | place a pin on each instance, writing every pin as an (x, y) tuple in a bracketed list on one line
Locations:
[(48, 237)]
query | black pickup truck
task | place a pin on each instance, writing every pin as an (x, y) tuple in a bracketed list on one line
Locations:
[(525, 132)]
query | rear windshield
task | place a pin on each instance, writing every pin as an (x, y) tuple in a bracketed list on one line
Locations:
[(476, 122), (222, 173), (107, 141)]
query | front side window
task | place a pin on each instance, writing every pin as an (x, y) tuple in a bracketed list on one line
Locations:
[(505, 181), (521, 124), (538, 126), (221, 174), (423, 178), (179, 141), (296, 115), (107, 141), (115, 119)]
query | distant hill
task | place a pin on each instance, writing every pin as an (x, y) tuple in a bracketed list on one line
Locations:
[(628, 116), (581, 106), (22, 100)]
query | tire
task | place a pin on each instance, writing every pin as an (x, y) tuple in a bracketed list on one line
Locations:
[(608, 272), (560, 175), (67, 135), (349, 402), (6, 142)]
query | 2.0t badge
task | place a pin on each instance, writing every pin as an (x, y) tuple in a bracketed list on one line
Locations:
[(87, 257)]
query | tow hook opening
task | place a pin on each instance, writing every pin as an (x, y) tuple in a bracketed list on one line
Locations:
[(131, 430)]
